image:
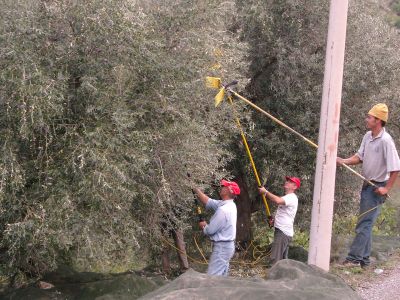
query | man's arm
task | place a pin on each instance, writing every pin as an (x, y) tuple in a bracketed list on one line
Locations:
[(385, 189), (202, 197), (278, 200), (353, 160), (218, 221)]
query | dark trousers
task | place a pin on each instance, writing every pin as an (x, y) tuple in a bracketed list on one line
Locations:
[(280, 246)]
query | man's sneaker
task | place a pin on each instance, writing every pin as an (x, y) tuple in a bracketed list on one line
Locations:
[(351, 264)]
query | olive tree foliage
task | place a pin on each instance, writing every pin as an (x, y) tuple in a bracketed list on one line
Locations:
[(288, 42), (103, 113), (372, 75), (394, 6)]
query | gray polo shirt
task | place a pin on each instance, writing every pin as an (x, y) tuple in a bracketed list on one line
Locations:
[(222, 225), (379, 156)]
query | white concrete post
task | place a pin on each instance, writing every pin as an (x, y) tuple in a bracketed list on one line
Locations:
[(324, 186)]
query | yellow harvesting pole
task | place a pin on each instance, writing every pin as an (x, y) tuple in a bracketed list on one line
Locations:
[(246, 145), (215, 83)]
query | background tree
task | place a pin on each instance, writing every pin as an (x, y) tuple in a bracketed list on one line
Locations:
[(287, 49), (102, 106)]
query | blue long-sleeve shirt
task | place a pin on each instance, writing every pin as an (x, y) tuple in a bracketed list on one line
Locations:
[(222, 226)]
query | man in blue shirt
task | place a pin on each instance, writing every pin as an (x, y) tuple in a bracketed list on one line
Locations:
[(222, 227)]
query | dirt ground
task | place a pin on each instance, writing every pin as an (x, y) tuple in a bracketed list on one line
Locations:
[(380, 281)]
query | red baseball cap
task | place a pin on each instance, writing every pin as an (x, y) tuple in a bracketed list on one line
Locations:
[(232, 186), (296, 180)]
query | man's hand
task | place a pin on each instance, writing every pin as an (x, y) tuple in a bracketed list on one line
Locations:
[(354, 160), (202, 224), (202, 197), (382, 191), (271, 221), (262, 190), (339, 160)]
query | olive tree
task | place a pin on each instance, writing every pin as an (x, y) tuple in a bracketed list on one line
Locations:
[(287, 49), (103, 113)]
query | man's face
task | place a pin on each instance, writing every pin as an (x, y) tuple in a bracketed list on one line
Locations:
[(371, 122), (289, 185), (224, 191)]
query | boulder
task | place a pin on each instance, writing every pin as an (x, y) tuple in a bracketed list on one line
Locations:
[(298, 253), (287, 279), (68, 284)]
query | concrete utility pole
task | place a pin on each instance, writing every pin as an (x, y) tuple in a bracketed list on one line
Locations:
[(324, 186)]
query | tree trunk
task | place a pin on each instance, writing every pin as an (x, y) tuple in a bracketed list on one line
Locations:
[(244, 207)]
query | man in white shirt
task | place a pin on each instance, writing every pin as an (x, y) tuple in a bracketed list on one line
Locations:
[(284, 218)]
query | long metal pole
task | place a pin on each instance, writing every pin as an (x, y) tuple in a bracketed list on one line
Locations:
[(324, 186)]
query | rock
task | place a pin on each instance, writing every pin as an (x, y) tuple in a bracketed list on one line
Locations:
[(45, 285), (378, 271), (288, 279), (298, 253), (68, 284)]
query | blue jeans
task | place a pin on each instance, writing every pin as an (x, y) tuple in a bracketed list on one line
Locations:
[(222, 253), (360, 249)]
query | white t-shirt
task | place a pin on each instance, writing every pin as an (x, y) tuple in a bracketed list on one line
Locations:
[(284, 217)]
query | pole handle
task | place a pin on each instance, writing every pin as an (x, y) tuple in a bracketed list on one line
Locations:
[(196, 203)]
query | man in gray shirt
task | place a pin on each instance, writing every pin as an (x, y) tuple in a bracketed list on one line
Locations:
[(222, 227), (381, 165)]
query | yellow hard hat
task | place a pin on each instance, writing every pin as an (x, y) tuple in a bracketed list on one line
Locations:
[(380, 111)]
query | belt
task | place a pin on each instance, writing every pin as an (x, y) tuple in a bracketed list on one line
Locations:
[(366, 183), (377, 182), (222, 241)]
